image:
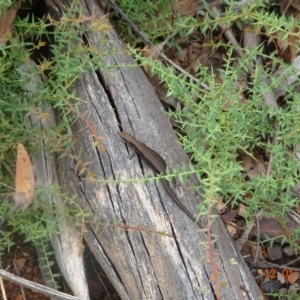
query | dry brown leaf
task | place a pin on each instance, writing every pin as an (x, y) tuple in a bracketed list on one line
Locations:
[(186, 6), (153, 52), (297, 208), (188, 56), (293, 277), (181, 7), (230, 215), (25, 182), (270, 228), (249, 249), (288, 47), (242, 210), (254, 166), (231, 230), (6, 22), (221, 207), (20, 263)]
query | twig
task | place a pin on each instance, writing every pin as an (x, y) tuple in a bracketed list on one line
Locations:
[(265, 265), (257, 238), (174, 10), (245, 235), (36, 286), (230, 37), (18, 273), (292, 261), (3, 289)]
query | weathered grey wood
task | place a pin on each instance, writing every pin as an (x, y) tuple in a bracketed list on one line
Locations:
[(141, 265), (66, 245)]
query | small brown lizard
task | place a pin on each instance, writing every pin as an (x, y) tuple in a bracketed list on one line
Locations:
[(157, 164)]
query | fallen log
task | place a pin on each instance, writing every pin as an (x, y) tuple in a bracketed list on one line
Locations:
[(143, 263)]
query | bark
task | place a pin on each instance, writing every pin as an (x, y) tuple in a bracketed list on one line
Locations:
[(141, 264)]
